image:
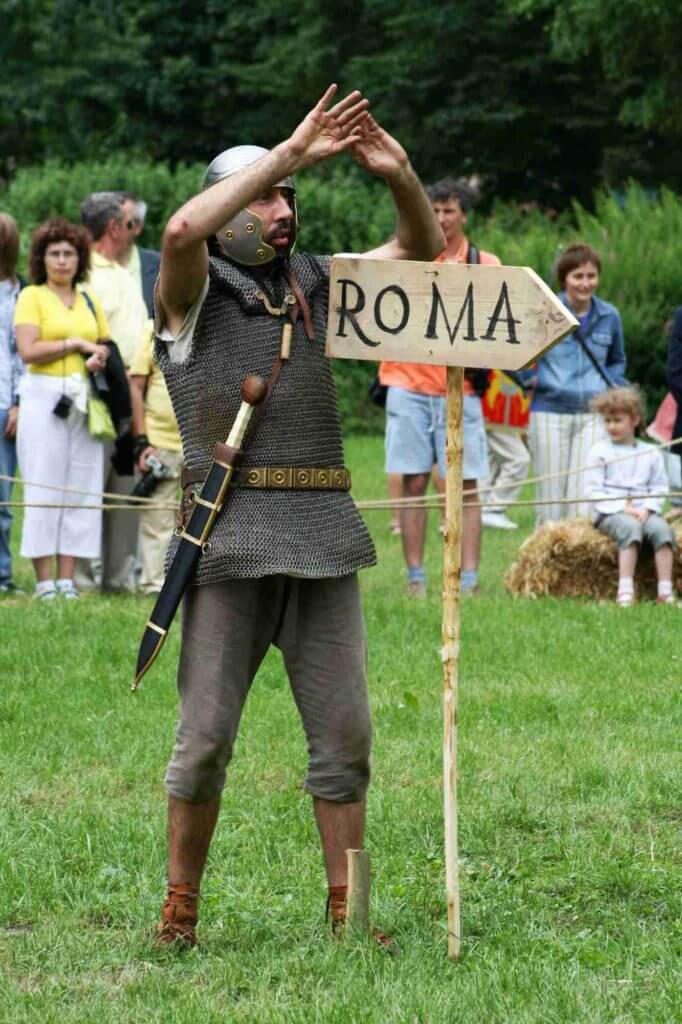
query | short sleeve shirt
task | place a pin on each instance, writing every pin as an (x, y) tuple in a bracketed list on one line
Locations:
[(159, 420), (40, 306)]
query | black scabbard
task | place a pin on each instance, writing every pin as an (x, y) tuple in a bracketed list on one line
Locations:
[(206, 508)]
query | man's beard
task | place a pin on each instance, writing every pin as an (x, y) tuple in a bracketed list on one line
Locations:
[(280, 227)]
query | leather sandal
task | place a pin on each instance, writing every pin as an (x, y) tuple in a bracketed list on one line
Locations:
[(179, 916), (336, 908)]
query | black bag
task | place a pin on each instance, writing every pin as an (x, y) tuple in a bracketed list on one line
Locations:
[(114, 389), (123, 458), (111, 383)]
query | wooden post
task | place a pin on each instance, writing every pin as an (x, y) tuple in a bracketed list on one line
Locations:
[(358, 889), (452, 562), (402, 310)]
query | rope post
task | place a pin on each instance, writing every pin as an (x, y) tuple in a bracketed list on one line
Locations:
[(452, 563)]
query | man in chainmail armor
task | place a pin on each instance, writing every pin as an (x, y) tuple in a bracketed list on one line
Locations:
[(281, 566)]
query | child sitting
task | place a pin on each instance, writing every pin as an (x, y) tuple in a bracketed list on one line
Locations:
[(625, 492)]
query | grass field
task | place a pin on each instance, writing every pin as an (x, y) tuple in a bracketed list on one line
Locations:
[(570, 815)]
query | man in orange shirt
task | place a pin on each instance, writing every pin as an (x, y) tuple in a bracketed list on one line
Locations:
[(415, 414)]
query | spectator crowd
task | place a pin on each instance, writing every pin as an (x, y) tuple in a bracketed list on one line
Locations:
[(82, 406), (86, 419)]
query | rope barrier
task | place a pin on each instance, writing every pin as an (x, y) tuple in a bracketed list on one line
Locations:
[(133, 498), (426, 502), (113, 507), (437, 501), (580, 469), (131, 501)]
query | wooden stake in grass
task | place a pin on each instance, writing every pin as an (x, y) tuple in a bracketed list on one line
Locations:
[(358, 889), (452, 561)]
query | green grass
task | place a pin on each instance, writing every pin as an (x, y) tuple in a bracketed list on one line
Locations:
[(570, 818)]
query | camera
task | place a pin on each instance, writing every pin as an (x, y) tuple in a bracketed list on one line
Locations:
[(63, 407), (149, 481)]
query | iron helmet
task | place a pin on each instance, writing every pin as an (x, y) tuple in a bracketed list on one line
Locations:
[(241, 239)]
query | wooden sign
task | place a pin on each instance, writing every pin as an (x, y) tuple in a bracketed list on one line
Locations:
[(448, 314), (454, 315)]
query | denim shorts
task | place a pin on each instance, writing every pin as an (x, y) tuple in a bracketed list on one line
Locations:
[(415, 434)]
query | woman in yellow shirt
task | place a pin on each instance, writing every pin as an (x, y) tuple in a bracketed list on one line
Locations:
[(58, 330)]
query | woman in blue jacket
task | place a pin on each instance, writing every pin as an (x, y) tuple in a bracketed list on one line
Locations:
[(562, 429)]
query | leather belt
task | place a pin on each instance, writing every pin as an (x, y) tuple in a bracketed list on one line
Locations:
[(295, 478)]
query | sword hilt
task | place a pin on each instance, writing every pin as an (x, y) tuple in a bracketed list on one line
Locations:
[(253, 389)]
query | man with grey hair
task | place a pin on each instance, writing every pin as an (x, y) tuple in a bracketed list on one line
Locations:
[(141, 264), (112, 227)]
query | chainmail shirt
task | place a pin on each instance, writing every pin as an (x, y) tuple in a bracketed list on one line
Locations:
[(311, 533)]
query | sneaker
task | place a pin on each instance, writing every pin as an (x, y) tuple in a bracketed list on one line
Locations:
[(498, 521), (416, 588), (46, 595), (68, 592), (625, 599), (670, 599)]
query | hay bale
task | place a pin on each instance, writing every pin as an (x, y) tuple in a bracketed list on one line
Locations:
[(571, 558)]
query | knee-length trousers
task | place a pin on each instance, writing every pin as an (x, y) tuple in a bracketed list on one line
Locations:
[(227, 629)]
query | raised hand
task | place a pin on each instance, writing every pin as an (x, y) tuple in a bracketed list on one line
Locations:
[(377, 151), (324, 133)]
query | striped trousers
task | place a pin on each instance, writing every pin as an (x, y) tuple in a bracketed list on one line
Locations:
[(559, 442)]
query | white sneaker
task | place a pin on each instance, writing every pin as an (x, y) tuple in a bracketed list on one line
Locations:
[(498, 520)]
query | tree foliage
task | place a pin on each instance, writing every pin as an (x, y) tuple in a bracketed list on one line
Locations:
[(526, 95), (635, 43), (639, 239)]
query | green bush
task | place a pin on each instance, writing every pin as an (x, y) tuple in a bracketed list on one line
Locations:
[(638, 236)]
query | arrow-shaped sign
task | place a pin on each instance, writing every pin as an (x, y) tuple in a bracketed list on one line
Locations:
[(448, 314)]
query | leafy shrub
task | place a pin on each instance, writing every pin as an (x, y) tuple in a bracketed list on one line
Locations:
[(341, 210)]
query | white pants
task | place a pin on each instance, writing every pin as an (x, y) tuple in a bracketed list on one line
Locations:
[(559, 442), (509, 460), (59, 452)]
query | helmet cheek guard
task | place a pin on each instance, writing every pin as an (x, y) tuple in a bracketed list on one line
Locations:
[(241, 239)]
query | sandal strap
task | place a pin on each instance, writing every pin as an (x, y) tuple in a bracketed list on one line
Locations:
[(179, 914)]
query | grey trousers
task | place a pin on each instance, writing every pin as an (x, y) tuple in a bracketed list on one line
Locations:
[(227, 629), (627, 530)]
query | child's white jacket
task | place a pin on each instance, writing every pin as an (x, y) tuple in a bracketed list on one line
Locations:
[(611, 479)]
